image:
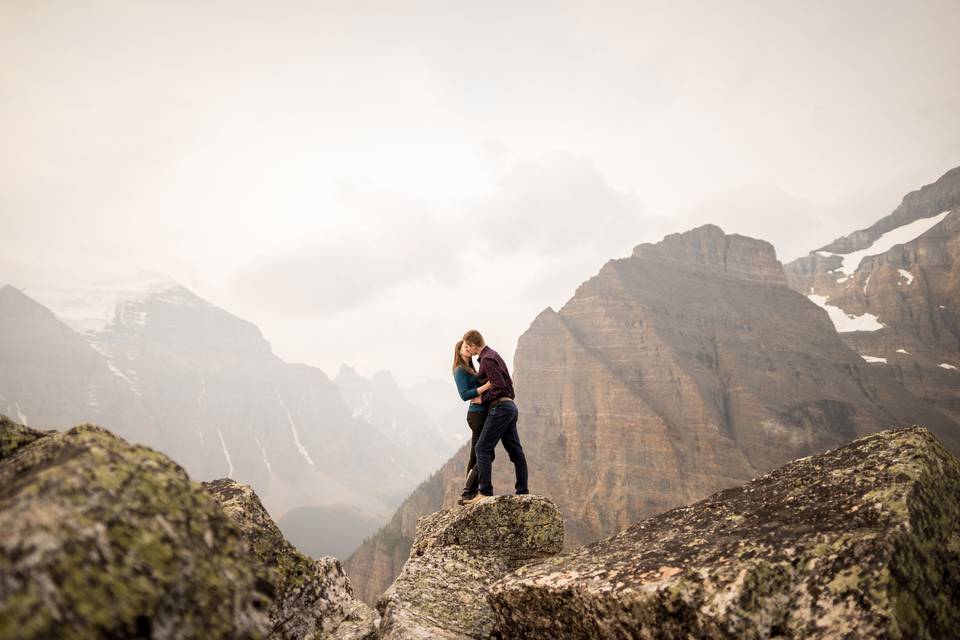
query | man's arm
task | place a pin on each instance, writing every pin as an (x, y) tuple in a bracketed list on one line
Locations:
[(498, 385)]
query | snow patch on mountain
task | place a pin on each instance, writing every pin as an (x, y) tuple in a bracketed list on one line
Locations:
[(226, 454), (874, 359), (843, 321), (93, 309), (263, 451), (851, 261), (293, 427), (21, 417), (906, 275), (903, 351), (944, 365)]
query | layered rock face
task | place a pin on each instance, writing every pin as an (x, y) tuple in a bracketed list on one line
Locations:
[(684, 369), (859, 542), (894, 291), (457, 555), (312, 598), (104, 539)]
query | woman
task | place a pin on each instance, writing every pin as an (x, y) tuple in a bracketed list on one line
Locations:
[(468, 384)]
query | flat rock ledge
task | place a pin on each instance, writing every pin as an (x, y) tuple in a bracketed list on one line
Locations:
[(456, 556), (311, 598), (862, 541)]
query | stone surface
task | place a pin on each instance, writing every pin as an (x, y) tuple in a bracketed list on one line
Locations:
[(105, 539), (687, 368), (863, 541), (311, 597), (458, 553)]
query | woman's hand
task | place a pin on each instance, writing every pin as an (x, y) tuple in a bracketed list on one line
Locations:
[(484, 387)]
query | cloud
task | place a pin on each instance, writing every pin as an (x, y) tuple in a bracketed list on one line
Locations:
[(542, 216), (376, 241)]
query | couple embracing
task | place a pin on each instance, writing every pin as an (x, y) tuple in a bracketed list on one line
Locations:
[(492, 415)]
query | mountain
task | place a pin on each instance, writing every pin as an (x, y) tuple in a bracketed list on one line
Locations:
[(385, 408), (162, 366), (893, 291), (686, 368)]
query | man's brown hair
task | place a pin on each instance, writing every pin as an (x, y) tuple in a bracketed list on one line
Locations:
[(473, 338)]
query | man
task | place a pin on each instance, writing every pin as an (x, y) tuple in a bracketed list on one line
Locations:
[(501, 422)]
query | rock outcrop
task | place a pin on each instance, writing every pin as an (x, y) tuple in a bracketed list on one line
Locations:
[(457, 555), (105, 539), (687, 368), (312, 598), (863, 541)]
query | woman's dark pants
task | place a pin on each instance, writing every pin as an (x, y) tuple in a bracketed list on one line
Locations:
[(475, 419)]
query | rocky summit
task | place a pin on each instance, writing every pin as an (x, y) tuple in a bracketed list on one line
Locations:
[(104, 539), (457, 555), (863, 541), (312, 598)]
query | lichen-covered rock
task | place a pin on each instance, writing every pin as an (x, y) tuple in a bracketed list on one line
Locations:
[(457, 554), (103, 539), (312, 598), (14, 435), (862, 541)]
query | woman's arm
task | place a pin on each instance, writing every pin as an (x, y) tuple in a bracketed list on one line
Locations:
[(463, 385)]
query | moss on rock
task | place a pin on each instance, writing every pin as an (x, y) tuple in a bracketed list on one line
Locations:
[(456, 555), (105, 539), (861, 541), (312, 598)]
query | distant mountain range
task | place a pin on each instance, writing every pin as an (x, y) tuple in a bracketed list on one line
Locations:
[(700, 362), (160, 366)]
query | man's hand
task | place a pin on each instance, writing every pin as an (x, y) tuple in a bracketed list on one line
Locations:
[(476, 400)]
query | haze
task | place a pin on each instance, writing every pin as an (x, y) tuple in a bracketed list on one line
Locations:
[(367, 180)]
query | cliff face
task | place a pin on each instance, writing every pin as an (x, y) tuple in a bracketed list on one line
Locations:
[(858, 542), (893, 291), (682, 370)]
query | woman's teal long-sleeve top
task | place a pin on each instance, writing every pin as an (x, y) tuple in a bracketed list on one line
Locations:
[(467, 384)]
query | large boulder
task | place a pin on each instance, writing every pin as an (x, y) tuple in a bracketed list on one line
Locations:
[(457, 555), (312, 598), (102, 539), (862, 541)]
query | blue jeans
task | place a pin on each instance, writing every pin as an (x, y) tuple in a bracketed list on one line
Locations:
[(500, 426)]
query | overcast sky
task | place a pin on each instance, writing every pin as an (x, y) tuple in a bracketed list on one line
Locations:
[(366, 180)]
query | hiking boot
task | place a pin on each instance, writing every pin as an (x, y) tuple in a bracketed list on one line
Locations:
[(465, 498), (477, 499)]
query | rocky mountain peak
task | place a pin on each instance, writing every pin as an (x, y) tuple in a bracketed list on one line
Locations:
[(15, 301), (708, 247)]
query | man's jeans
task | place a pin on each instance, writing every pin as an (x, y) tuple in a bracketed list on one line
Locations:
[(500, 426)]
